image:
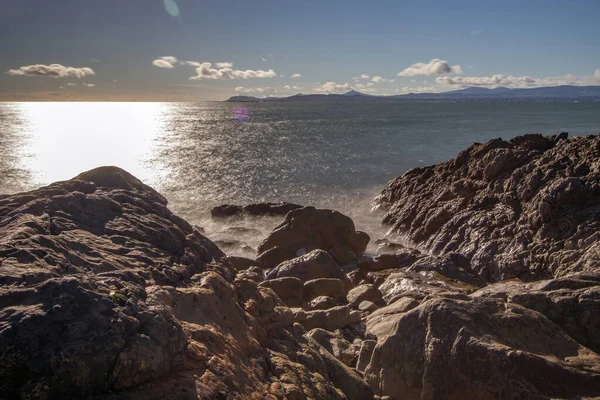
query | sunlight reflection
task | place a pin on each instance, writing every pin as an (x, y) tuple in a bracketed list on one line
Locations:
[(121, 134)]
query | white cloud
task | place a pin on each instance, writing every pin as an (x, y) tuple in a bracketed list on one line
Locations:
[(476, 33), (71, 84), (510, 81), (379, 79), (597, 73), (224, 65), (205, 70), (88, 84), (241, 89), (360, 78), (262, 58), (164, 62), (433, 67), (296, 76), (52, 70), (332, 87), (368, 88), (288, 87)]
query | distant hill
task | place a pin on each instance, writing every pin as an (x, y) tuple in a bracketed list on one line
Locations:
[(565, 92)]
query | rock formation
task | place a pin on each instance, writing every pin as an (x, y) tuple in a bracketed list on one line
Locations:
[(488, 287)]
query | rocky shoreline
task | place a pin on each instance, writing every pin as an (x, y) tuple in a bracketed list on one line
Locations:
[(487, 287)]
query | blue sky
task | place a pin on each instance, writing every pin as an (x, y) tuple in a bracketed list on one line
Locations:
[(115, 47)]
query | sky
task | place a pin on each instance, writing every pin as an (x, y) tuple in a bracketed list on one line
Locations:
[(196, 50)]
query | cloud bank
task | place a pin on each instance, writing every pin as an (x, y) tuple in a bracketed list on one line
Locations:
[(433, 67), (205, 70), (52, 70), (514, 82)]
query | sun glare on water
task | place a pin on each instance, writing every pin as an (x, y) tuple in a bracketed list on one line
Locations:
[(65, 139)]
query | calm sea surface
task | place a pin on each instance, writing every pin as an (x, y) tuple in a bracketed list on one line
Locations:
[(203, 154)]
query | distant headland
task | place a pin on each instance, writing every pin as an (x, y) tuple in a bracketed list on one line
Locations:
[(556, 93)]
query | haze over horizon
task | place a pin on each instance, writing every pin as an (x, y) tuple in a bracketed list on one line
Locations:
[(185, 50)]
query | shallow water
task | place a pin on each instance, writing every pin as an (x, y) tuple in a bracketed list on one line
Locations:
[(203, 154)]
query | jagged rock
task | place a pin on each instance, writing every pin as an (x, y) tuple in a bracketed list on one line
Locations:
[(308, 228), (481, 349), (525, 208), (452, 265), (259, 209), (362, 293), (288, 289), (573, 303), (421, 285), (329, 287), (340, 348), (401, 259), (314, 265), (381, 322)]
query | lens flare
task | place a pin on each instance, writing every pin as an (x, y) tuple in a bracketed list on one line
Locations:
[(172, 8), (240, 114)]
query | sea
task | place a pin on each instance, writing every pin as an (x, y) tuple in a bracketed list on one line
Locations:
[(200, 155)]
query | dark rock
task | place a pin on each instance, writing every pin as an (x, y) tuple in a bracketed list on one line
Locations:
[(288, 289), (330, 287), (314, 265), (257, 210), (362, 293), (308, 228)]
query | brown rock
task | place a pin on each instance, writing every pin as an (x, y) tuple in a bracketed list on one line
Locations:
[(482, 350), (330, 287), (288, 289), (314, 265), (363, 292), (308, 228)]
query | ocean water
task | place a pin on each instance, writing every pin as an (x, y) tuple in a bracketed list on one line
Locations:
[(204, 154)]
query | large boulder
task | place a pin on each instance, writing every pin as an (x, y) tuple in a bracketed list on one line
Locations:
[(525, 208), (330, 287), (308, 228), (314, 265), (484, 349)]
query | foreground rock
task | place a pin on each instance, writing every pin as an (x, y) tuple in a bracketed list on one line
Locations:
[(106, 293)]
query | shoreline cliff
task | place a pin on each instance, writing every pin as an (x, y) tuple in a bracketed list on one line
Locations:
[(105, 293)]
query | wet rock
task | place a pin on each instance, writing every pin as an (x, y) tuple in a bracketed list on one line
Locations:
[(308, 228), (258, 209), (239, 263)]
